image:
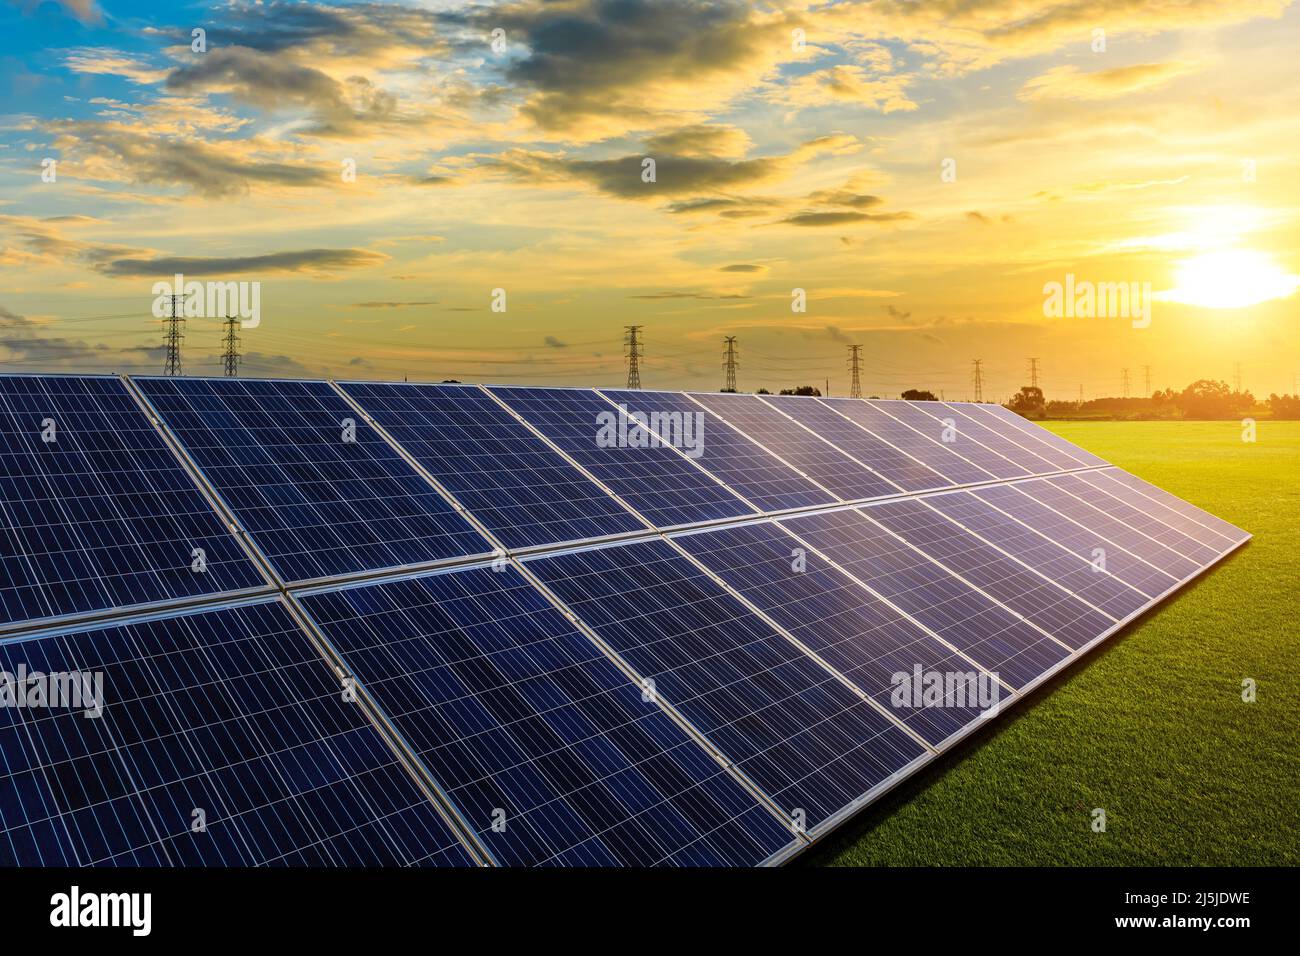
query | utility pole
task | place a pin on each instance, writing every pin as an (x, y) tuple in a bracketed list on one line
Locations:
[(979, 379), (1081, 395), (1124, 380), (731, 364), (1033, 373), (230, 358), (634, 355), (173, 326), (855, 366), (1146, 377), (1236, 376)]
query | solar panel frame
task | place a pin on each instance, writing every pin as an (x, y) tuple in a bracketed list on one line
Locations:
[(295, 497), (129, 522)]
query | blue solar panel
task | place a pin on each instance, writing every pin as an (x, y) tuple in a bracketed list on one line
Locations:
[(1098, 551), (1060, 498), (990, 635), (859, 635), (224, 740), (955, 432), (822, 462), (518, 486), (1050, 607), (320, 491), (809, 742), (97, 513), (551, 754), (655, 480), (890, 463), (1061, 453), (1173, 511), (972, 425), (920, 445), (1063, 566), (767, 482)]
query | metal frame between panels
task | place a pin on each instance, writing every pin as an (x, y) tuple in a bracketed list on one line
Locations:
[(288, 592)]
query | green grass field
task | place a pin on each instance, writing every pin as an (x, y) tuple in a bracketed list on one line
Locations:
[(1149, 726)]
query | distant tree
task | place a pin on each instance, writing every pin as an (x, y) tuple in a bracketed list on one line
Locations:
[(1206, 398), (762, 391), (1285, 406), (919, 395), (451, 381), (801, 390), (728, 389), (1028, 401)]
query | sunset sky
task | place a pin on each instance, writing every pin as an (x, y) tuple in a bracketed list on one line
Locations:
[(1113, 140)]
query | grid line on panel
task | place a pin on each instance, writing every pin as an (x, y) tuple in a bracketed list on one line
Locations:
[(96, 514), (931, 452), (1028, 440), (996, 441), (1165, 503), (924, 420)]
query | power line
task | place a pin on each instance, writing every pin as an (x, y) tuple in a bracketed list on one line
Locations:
[(979, 379), (634, 355), (172, 337), (230, 358), (731, 364), (1124, 382), (855, 366)]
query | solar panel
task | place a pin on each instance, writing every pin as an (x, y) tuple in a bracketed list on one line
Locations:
[(223, 740), (992, 636), (97, 512), (551, 754), (812, 745), (922, 445), (956, 432), (859, 635), (1201, 525), (820, 460), (522, 490), (655, 480), (890, 463), (320, 492), (764, 480), (970, 424), (1009, 423)]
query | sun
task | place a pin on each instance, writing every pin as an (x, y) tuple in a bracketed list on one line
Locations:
[(1230, 279)]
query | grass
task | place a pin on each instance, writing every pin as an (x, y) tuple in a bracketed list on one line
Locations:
[(1151, 725)]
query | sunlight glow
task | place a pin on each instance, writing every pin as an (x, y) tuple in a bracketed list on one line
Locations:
[(1230, 279)]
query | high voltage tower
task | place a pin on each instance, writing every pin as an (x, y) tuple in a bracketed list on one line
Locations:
[(1146, 378), (173, 326), (855, 367), (1123, 375), (1033, 373), (730, 364), (634, 355), (978, 376), (1081, 395), (230, 357)]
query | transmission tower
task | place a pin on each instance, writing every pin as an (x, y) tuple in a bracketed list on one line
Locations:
[(1033, 373), (979, 379), (634, 355), (855, 367), (1124, 382), (1146, 377), (1081, 395), (173, 333), (230, 357), (731, 364)]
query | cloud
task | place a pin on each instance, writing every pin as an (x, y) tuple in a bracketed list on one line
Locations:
[(846, 83), (300, 260), (390, 305), (552, 342), (1069, 83), (107, 62), (843, 218), (742, 267), (700, 140)]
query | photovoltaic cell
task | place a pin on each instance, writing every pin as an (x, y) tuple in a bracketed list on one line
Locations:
[(906, 473), (1063, 566), (656, 481), (1039, 601), (1043, 443), (1173, 511), (859, 635), (956, 432), (1098, 551), (917, 444), (320, 492), (514, 711), (972, 425), (1013, 424), (511, 480), (95, 511), (807, 740), (755, 474), (990, 635), (229, 713), (822, 462)]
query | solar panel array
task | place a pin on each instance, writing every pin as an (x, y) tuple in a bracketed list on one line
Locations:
[(386, 623)]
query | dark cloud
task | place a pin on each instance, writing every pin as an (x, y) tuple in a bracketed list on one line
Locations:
[(843, 218), (844, 197), (300, 260), (976, 216), (555, 343), (742, 267)]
